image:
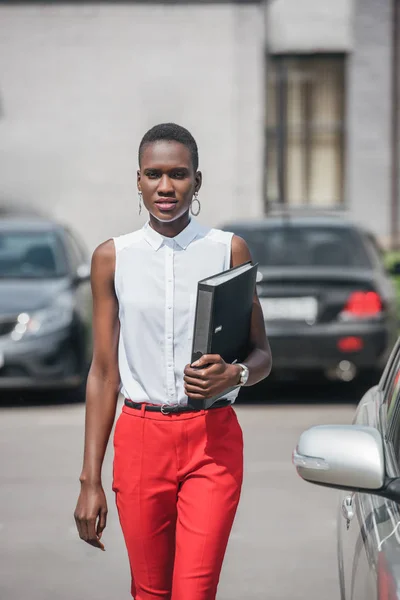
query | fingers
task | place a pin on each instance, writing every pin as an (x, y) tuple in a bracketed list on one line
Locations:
[(87, 530), (82, 527), (197, 382), (200, 383), (203, 373), (197, 396), (193, 391), (207, 359), (93, 538), (197, 374), (101, 523)]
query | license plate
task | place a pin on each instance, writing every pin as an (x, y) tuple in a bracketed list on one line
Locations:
[(290, 309)]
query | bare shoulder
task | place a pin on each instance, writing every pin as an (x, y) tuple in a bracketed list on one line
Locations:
[(240, 251), (103, 260)]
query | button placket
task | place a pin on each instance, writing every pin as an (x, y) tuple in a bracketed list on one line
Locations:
[(169, 323)]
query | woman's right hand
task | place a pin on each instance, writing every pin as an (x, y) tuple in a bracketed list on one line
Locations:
[(91, 514)]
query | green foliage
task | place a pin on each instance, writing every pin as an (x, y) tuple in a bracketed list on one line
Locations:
[(390, 258)]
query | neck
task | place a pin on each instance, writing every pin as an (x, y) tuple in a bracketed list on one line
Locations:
[(171, 228)]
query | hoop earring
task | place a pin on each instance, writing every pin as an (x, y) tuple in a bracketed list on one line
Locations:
[(140, 201), (195, 199)]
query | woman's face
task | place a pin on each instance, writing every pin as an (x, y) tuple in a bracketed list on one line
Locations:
[(167, 179)]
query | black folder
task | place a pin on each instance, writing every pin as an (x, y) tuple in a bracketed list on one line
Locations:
[(223, 317)]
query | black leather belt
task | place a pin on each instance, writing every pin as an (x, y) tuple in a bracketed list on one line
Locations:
[(167, 409)]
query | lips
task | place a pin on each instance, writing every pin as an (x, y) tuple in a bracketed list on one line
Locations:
[(166, 204)]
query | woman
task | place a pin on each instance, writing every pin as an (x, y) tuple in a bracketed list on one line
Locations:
[(177, 472)]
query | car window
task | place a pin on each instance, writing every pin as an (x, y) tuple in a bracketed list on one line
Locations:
[(394, 421), (389, 367), (304, 246), (390, 388), (393, 392), (375, 250), (74, 254), (31, 255), (78, 248)]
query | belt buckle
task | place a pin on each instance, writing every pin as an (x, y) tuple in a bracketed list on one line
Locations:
[(167, 409)]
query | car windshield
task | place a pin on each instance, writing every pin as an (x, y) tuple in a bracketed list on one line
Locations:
[(31, 255), (306, 246)]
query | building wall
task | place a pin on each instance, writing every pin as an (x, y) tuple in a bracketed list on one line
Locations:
[(296, 26), (368, 160), (79, 85)]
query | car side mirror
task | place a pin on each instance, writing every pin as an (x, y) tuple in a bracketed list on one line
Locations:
[(82, 273), (346, 457)]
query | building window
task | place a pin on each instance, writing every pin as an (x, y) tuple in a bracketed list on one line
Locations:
[(305, 130)]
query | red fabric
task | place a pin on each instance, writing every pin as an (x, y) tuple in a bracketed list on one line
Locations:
[(177, 480)]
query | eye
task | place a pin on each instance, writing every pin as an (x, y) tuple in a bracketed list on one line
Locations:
[(152, 174), (179, 174)]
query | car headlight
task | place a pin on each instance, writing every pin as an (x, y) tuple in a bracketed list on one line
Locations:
[(52, 318)]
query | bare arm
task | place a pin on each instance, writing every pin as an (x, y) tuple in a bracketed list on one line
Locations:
[(101, 395)]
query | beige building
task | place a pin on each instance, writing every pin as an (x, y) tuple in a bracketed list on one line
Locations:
[(290, 100), (80, 85)]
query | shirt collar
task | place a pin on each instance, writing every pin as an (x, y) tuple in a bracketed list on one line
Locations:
[(183, 239)]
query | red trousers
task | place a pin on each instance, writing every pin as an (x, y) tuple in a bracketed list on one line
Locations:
[(177, 480)]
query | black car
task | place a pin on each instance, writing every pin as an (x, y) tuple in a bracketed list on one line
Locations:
[(45, 308), (329, 304)]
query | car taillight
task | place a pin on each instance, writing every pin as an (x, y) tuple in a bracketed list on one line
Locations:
[(386, 584), (350, 344), (362, 305)]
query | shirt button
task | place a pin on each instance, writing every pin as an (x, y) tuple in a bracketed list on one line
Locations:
[(169, 307)]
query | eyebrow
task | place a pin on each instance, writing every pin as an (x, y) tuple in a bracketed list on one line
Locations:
[(186, 169)]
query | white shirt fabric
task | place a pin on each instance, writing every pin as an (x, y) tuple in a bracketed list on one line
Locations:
[(156, 285)]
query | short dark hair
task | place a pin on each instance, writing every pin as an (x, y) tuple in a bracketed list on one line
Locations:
[(171, 132)]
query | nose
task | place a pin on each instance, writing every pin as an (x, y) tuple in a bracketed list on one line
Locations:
[(165, 186)]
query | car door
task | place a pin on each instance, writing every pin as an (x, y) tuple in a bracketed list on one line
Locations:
[(367, 524)]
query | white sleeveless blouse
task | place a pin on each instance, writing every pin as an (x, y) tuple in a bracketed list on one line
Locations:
[(156, 285)]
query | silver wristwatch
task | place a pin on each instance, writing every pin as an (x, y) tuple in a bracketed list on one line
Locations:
[(244, 374)]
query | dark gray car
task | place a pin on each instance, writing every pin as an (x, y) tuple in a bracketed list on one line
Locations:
[(363, 461), (45, 308)]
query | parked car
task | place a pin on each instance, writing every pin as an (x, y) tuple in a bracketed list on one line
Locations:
[(363, 461), (45, 307), (328, 301)]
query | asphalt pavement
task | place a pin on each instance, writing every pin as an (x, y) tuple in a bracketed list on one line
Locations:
[(283, 541)]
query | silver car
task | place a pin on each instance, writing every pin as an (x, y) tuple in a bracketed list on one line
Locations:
[(363, 461)]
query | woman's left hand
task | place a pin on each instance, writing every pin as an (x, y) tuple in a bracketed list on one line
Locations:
[(209, 376)]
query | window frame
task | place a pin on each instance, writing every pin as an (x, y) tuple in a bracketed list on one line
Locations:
[(282, 123)]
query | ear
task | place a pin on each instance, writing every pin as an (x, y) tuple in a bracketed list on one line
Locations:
[(199, 180), (138, 177)]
